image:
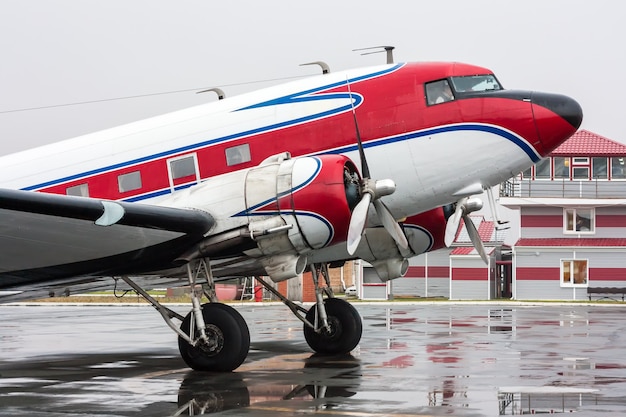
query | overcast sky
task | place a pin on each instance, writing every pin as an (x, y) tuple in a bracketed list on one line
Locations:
[(55, 53)]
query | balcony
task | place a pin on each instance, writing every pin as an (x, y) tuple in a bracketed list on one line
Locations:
[(563, 188)]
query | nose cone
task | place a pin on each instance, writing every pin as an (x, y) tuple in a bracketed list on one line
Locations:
[(557, 117)]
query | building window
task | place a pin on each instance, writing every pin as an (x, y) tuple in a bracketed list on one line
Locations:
[(129, 182), (581, 173), (81, 190), (600, 167), (238, 154), (580, 168), (574, 272), (183, 167), (561, 167), (542, 169), (618, 171), (579, 220), (438, 92)]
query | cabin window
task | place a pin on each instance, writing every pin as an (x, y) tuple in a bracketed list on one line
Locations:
[(81, 190), (475, 83), (238, 154), (600, 168), (574, 272), (438, 92), (129, 182), (618, 171), (579, 220), (542, 169), (183, 167)]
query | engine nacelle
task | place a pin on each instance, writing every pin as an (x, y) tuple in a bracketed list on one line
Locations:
[(289, 208), (311, 195)]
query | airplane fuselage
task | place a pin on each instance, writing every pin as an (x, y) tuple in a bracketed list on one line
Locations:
[(435, 152)]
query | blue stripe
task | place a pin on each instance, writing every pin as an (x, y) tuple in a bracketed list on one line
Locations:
[(301, 213), (305, 95), (250, 211), (283, 100), (400, 138), (464, 127)]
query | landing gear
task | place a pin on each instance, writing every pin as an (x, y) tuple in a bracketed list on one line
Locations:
[(213, 336), (227, 344), (332, 326), (344, 328)]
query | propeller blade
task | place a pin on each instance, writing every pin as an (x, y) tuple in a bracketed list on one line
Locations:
[(357, 223), (390, 224), (365, 170), (475, 238), (453, 224)]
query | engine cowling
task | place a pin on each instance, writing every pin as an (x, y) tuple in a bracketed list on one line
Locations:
[(289, 208), (312, 195)]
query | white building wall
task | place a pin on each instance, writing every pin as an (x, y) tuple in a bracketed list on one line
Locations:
[(469, 290)]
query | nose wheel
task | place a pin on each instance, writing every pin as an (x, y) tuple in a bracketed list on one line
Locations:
[(227, 342)]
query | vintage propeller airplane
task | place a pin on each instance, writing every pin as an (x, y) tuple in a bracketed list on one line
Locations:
[(267, 183)]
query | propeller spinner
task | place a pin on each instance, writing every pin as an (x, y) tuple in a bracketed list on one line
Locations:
[(464, 207)]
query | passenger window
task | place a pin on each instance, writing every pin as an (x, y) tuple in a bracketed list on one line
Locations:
[(238, 154), (129, 182), (183, 167), (438, 92), (81, 190)]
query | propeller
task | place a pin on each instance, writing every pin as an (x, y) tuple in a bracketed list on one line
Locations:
[(464, 207), (371, 191)]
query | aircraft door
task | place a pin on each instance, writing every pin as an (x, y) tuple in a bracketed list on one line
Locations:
[(183, 171)]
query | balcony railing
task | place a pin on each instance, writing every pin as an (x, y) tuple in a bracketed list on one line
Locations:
[(563, 188)]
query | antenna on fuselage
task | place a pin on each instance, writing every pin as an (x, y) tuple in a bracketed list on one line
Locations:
[(388, 49), (218, 91), (322, 64)]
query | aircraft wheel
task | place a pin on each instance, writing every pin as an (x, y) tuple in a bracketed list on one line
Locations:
[(229, 331), (345, 328)]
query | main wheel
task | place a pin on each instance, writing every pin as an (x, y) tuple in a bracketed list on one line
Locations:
[(229, 336), (345, 328)]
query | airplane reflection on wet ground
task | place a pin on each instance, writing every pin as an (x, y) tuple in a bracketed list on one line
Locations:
[(419, 359)]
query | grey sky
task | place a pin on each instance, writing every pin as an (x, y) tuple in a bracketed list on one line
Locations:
[(58, 52)]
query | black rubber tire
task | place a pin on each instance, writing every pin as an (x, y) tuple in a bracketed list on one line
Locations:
[(231, 327), (346, 328)]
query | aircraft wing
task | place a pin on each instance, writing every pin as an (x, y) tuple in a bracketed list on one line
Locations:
[(46, 238)]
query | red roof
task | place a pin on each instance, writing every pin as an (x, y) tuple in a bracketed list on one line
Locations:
[(470, 250), (571, 241), (586, 143), (486, 231)]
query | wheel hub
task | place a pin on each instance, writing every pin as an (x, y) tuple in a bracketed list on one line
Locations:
[(215, 340), (335, 328)]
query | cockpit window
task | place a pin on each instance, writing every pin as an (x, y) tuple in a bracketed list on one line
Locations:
[(438, 92), (475, 83)]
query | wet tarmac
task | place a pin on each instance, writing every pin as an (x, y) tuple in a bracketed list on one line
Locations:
[(423, 359)]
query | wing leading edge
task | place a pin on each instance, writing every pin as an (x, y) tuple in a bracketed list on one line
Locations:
[(47, 237)]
